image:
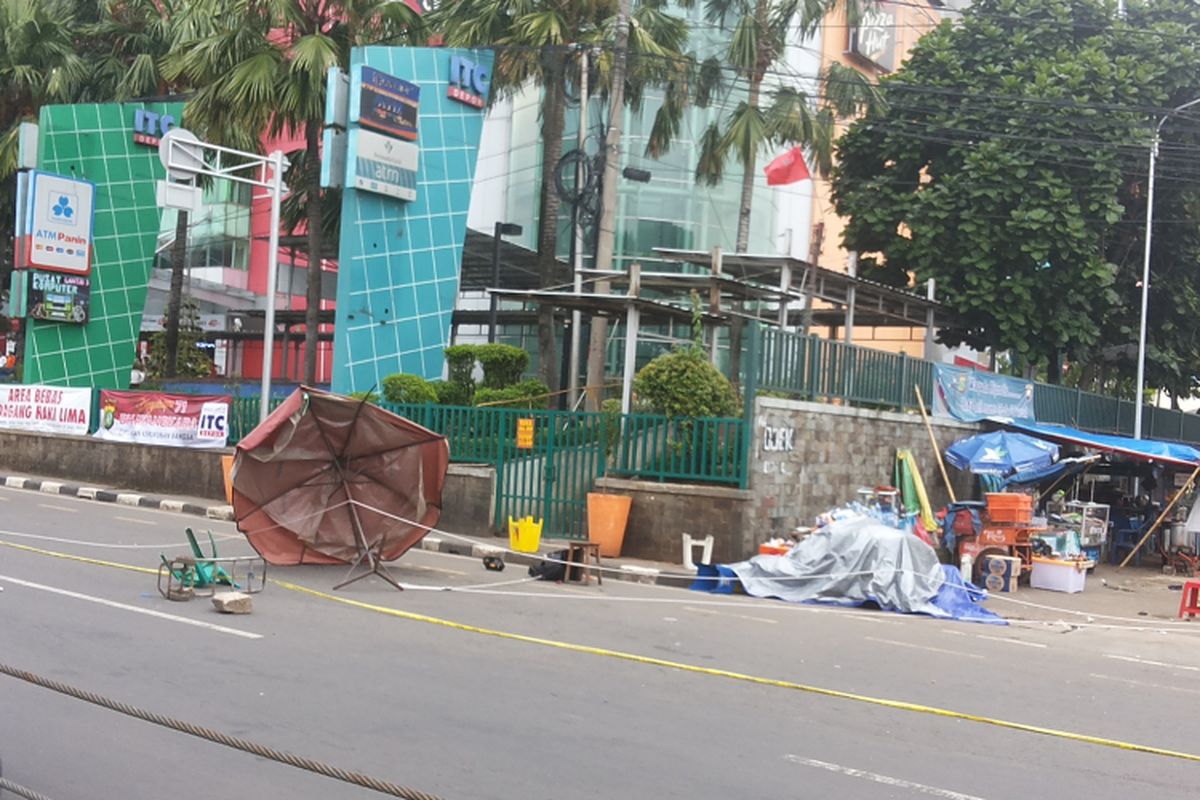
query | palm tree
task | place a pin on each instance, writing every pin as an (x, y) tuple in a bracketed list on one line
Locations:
[(38, 65), (132, 41), (534, 42), (759, 33), (262, 68)]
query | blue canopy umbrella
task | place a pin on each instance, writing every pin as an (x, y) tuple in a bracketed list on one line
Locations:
[(1001, 453)]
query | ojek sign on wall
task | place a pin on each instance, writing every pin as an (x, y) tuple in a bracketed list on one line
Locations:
[(469, 82), (58, 223)]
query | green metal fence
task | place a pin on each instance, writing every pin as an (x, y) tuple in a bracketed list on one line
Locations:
[(570, 450), (813, 368)]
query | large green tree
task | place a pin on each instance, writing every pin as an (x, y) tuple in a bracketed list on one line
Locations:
[(1009, 165), (262, 69), (533, 40)]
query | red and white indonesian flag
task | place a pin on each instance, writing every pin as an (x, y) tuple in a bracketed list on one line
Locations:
[(787, 168)]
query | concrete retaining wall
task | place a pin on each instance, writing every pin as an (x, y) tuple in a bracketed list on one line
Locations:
[(809, 457)]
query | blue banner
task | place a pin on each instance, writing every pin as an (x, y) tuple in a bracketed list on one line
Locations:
[(970, 395), (388, 104)]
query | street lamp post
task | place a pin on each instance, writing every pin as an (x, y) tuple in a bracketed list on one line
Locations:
[(1141, 365), (502, 229)]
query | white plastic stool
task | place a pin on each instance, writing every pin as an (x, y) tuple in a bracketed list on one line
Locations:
[(689, 550)]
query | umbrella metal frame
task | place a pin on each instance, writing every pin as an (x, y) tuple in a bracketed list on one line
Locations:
[(365, 551)]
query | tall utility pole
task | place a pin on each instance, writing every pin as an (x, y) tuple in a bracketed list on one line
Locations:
[(577, 266), (607, 235)]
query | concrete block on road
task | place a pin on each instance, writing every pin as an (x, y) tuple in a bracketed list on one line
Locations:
[(50, 487), (639, 574), (433, 543), (484, 550), (14, 483), (172, 505), (87, 492), (129, 500), (233, 602)]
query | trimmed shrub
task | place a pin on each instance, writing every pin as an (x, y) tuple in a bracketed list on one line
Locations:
[(451, 394), (460, 361), (684, 384), (526, 394), (402, 388), (503, 364)]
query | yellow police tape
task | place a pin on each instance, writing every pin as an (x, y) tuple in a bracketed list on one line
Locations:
[(740, 676), (899, 705)]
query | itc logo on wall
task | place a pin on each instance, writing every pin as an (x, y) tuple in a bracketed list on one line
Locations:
[(149, 126), (469, 82)]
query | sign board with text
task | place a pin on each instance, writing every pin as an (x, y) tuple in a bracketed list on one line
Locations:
[(384, 103), (382, 165), (173, 420), (970, 395), (58, 297), (45, 409), (525, 434), (58, 223)]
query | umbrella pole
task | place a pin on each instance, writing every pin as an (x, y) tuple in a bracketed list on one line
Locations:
[(937, 451), (365, 551)]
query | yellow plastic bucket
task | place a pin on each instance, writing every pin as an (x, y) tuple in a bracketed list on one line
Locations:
[(524, 535)]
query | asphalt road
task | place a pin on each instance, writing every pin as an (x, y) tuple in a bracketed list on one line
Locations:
[(467, 715)]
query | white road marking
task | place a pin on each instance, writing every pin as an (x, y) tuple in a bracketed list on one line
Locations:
[(1144, 684), (1010, 641), (1136, 660), (867, 618), (53, 507), (135, 609), (728, 614), (886, 780), (923, 647), (949, 632), (138, 521)]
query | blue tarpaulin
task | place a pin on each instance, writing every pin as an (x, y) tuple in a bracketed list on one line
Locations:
[(1143, 449), (853, 562)]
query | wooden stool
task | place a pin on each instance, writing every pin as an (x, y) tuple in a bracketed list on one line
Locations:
[(580, 553), (1189, 604)]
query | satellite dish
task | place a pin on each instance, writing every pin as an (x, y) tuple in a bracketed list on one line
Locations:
[(182, 153)]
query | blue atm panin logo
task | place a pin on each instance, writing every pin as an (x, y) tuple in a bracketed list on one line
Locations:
[(469, 82)]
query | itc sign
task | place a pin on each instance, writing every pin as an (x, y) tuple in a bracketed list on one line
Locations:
[(149, 126), (469, 82)]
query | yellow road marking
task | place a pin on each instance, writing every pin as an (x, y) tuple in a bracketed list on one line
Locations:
[(898, 705)]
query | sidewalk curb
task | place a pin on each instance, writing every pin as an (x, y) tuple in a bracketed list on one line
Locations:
[(432, 542), (624, 572), (221, 513)]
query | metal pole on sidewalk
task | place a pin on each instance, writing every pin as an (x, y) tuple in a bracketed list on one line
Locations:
[(577, 265), (314, 273)]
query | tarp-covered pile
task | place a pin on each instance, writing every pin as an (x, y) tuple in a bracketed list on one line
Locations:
[(854, 562)]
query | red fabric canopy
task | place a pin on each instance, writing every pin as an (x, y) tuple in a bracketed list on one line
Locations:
[(326, 479)]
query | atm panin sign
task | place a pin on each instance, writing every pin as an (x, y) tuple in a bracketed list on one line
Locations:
[(58, 223)]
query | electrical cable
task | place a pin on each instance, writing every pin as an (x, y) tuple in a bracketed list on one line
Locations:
[(217, 737)]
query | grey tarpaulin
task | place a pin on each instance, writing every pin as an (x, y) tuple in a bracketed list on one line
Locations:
[(850, 562)]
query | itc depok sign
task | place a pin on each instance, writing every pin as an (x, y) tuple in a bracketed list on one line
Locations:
[(149, 126), (469, 82)]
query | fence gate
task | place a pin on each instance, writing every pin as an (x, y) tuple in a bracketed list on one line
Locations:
[(547, 473)]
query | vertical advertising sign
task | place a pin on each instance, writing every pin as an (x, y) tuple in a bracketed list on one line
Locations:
[(58, 223), (387, 104)]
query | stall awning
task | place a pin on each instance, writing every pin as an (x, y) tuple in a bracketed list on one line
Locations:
[(1141, 449)]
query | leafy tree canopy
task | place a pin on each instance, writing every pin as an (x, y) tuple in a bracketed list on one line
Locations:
[(1009, 164)]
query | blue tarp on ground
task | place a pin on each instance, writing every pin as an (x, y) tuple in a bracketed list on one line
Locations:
[(851, 563), (1144, 449)]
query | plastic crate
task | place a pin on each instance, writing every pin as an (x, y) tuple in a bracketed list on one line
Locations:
[(1009, 507)]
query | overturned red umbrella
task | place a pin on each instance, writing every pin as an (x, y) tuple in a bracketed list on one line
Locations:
[(327, 479)]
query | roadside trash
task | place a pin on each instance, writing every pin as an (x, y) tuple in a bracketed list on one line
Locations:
[(493, 563)]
